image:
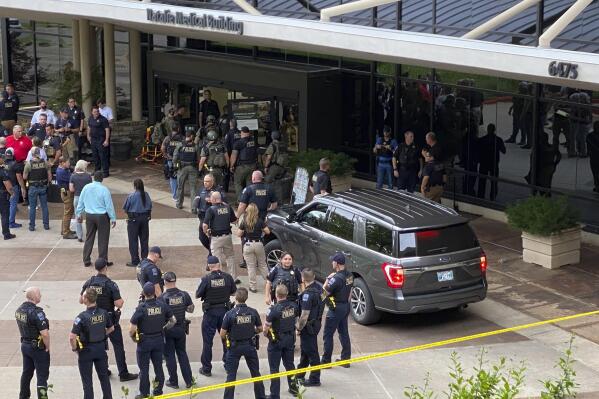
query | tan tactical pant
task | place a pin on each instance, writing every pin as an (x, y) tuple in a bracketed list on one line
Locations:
[(222, 248), (255, 258), (434, 193)]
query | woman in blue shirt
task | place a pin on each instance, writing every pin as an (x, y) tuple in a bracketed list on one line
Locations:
[(138, 206)]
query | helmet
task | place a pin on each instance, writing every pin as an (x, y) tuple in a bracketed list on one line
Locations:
[(275, 135), (211, 118), (211, 135)]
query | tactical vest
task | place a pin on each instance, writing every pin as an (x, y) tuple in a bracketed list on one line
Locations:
[(216, 156), (153, 319), (221, 224), (407, 156), (48, 147), (280, 155), (176, 300), (104, 301), (143, 272), (316, 312), (188, 154), (25, 316), (259, 196), (38, 173), (94, 325), (218, 291), (173, 144), (204, 204), (286, 322), (287, 278), (242, 326), (342, 295), (249, 152)]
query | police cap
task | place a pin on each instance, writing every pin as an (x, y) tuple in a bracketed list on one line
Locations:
[(213, 260), (148, 288), (338, 258), (157, 251), (100, 263)]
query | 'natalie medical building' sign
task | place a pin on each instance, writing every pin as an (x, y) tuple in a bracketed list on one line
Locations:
[(226, 24)]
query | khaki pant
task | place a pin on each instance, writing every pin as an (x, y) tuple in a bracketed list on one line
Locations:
[(243, 178), (255, 258), (189, 172), (9, 125), (434, 193), (222, 248), (67, 200)]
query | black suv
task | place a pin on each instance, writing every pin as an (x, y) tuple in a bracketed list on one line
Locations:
[(407, 254)]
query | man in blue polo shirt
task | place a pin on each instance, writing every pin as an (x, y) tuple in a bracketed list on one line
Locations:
[(383, 149)]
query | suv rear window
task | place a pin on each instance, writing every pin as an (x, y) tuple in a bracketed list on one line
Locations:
[(445, 240), (379, 238)]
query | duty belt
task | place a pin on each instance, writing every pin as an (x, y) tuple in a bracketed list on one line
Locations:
[(38, 184), (257, 240), (220, 234), (152, 335), (183, 164), (133, 215), (28, 340)]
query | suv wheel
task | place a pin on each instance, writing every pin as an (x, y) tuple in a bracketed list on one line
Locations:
[(362, 305), (273, 252)]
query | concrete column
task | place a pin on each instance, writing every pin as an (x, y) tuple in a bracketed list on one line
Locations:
[(75, 44), (135, 74), (86, 75), (109, 73)]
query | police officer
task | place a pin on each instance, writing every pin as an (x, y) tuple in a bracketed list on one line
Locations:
[(230, 138), (407, 163), (244, 159), (149, 272), (9, 107), (76, 119), (202, 203), (257, 193), (321, 180), (215, 291), (35, 344), (280, 331), (169, 145), (208, 108), (433, 178), (309, 323), (88, 338), (284, 273), (175, 338), (214, 156), (38, 129), (240, 327), (109, 298), (383, 149), (217, 226), (6, 191), (337, 288), (52, 144), (39, 175), (186, 159), (277, 158), (98, 134), (148, 323)]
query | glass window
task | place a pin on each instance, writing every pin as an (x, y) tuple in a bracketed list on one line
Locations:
[(316, 216), (449, 239), (341, 224), (407, 245), (49, 66), (357, 139), (123, 82), (23, 60), (384, 106), (379, 238)]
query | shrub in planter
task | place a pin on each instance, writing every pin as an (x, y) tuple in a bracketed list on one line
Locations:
[(341, 163), (542, 216)]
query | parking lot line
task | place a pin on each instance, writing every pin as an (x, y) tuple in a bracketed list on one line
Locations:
[(376, 355)]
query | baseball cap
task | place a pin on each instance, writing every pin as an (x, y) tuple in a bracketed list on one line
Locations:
[(157, 251), (170, 277), (36, 152), (245, 129), (149, 288), (338, 258), (100, 263), (213, 260)]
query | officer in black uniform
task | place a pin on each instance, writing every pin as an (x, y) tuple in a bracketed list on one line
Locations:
[(88, 338), (151, 318), (186, 159), (76, 118), (244, 159), (149, 272), (109, 299), (169, 145), (258, 193), (217, 226), (309, 323), (202, 203), (98, 135), (321, 181), (407, 163), (175, 338), (215, 291), (38, 129), (280, 331), (239, 331), (230, 138), (337, 288), (35, 344), (287, 274), (6, 191)]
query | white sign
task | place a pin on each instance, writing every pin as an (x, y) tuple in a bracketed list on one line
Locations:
[(251, 124), (300, 186)]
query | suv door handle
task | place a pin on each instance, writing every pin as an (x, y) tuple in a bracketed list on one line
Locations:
[(314, 240), (346, 253)]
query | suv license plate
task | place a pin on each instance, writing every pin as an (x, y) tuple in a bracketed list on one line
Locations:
[(445, 276)]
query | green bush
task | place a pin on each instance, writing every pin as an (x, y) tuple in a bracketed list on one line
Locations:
[(542, 216), (341, 163), (69, 85)]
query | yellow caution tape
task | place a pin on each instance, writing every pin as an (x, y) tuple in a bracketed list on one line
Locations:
[(374, 356)]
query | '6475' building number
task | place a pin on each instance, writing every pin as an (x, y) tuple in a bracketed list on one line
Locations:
[(563, 70)]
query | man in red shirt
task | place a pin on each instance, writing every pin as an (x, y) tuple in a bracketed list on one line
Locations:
[(21, 145)]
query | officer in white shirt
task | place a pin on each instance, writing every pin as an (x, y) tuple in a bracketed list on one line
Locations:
[(105, 110)]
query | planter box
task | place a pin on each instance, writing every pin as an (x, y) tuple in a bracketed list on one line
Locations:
[(554, 251), (341, 183)]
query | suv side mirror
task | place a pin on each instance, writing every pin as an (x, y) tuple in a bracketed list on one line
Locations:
[(291, 217)]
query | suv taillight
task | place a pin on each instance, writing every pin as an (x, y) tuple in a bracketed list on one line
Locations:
[(483, 262), (394, 274)]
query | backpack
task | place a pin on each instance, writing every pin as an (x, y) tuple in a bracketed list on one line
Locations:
[(281, 156)]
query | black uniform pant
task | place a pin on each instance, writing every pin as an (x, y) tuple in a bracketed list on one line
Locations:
[(594, 170), (309, 355), (94, 355), (282, 350), (150, 348), (204, 239), (138, 232), (174, 344), (211, 323), (4, 212), (561, 125), (100, 157), (116, 338), (81, 141), (247, 350), (37, 360), (336, 320), (491, 170), (96, 223)]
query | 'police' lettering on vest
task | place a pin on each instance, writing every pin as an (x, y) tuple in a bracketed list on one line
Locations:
[(97, 319), (287, 313), (178, 300), (97, 289), (223, 211), (22, 317), (244, 319), (261, 193), (217, 283), (154, 311)]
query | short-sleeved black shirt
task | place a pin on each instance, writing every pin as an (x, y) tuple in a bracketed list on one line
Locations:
[(435, 170), (97, 128), (230, 315), (255, 233), (321, 181)]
